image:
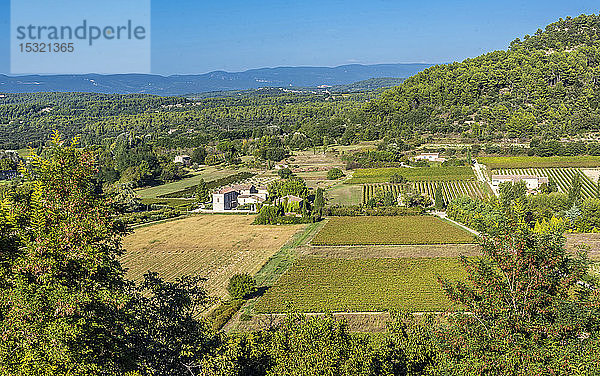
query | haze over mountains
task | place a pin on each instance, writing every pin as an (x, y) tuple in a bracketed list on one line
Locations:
[(213, 81)]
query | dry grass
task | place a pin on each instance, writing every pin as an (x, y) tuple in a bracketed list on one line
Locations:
[(590, 240), (214, 246)]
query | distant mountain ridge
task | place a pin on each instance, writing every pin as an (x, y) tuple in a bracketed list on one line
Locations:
[(213, 81)]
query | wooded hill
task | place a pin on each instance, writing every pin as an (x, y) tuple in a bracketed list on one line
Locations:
[(547, 84)]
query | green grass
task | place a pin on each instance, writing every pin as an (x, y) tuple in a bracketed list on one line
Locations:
[(383, 175), (390, 230), (338, 285), (282, 260), (344, 194), (209, 173), (527, 162)]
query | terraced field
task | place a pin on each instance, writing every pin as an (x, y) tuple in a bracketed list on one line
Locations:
[(338, 285), (562, 177), (450, 189)]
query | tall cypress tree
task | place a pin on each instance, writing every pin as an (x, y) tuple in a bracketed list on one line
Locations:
[(439, 200)]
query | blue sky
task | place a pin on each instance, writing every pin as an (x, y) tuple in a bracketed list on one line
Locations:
[(198, 36)]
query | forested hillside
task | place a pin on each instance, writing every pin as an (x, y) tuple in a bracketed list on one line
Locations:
[(547, 84)]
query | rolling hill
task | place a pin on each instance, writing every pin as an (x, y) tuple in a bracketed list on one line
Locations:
[(214, 81)]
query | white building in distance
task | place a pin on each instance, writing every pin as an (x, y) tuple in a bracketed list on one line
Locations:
[(431, 157), (531, 181), (186, 160)]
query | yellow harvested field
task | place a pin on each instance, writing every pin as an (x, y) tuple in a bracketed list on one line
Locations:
[(213, 246)]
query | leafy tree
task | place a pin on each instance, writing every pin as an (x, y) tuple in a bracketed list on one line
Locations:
[(294, 186), (389, 199), (509, 192), (202, 193), (167, 338), (241, 285), (334, 174), (396, 178), (522, 295), (285, 173), (62, 286), (199, 155)]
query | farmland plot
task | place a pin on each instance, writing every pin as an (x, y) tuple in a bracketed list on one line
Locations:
[(561, 176), (494, 163), (212, 246), (383, 175), (324, 285), (390, 230), (450, 189)]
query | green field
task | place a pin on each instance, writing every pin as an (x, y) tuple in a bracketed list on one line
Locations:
[(209, 173), (344, 194), (585, 161), (383, 175), (390, 230), (330, 285)]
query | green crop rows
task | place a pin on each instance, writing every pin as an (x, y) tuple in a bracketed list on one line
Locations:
[(424, 229), (450, 189), (336, 285), (494, 163), (561, 176)]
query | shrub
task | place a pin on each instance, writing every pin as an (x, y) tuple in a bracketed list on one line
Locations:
[(334, 174), (241, 285)]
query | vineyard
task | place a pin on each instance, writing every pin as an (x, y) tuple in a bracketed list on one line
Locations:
[(383, 175), (390, 230), (561, 176), (330, 285), (583, 161), (450, 189)]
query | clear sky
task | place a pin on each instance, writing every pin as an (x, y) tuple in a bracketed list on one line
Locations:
[(198, 36)]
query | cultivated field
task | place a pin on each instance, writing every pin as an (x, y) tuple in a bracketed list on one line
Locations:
[(383, 175), (329, 285), (561, 176), (207, 173), (450, 189), (540, 162), (390, 230), (344, 194), (391, 251), (213, 246)]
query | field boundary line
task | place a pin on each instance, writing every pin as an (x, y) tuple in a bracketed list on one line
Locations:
[(444, 216)]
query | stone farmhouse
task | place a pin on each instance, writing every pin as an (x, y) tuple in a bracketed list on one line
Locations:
[(230, 198), (532, 182)]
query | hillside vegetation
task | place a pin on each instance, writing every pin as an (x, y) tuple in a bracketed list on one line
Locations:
[(546, 84)]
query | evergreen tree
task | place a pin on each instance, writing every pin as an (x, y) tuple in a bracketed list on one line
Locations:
[(202, 192), (574, 194), (439, 199)]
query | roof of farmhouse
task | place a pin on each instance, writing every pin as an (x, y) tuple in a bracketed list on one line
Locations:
[(519, 177)]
